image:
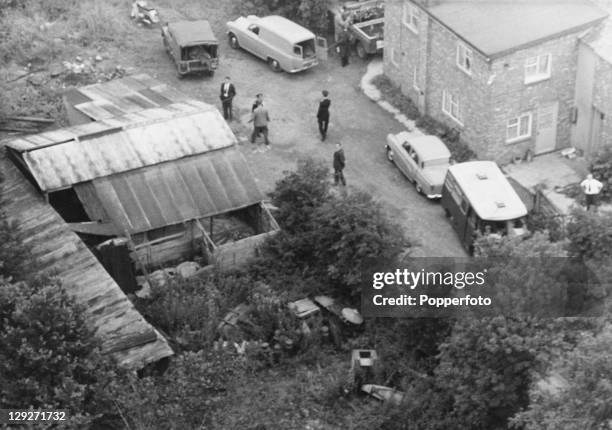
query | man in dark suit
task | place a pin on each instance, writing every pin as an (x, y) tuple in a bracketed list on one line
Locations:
[(228, 92), (339, 162), (323, 114)]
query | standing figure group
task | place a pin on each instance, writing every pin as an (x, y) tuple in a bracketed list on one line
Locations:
[(260, 118)]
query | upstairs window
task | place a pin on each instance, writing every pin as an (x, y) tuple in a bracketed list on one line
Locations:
[(410, 17), (465, 58), (537, 68), (518, 128)]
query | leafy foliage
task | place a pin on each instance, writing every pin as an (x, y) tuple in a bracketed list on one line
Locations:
[(602, 170), (331, 238), (185, 397), (311, 14), (578, 397), (394, 95), (590, 234), (49, 358)]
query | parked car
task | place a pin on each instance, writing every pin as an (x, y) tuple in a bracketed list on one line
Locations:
[(424, 160), (284, 44), (192, 46)]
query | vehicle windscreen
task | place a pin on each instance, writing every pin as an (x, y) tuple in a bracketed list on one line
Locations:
[(307, 48)]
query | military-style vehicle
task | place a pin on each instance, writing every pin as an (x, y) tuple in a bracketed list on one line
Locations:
[(192, 46)]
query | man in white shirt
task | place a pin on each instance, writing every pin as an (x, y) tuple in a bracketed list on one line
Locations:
[(591, 187)]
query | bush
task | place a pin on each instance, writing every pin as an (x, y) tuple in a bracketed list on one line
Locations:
[(311, 14), (49, 357), (590, 234), (549, 224), (328, 239), (602, 171), (394, 96), (460, 151)]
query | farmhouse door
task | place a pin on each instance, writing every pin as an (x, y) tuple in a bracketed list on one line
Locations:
[(546, 128), (595, 134)]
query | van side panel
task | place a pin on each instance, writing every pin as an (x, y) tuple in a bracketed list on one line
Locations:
[(453, 210)]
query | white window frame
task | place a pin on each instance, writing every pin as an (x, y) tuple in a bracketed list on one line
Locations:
[(534, 72), (453, 101), (464, 58), (516, 123), (410, 17), (415, 78), (393, 57)]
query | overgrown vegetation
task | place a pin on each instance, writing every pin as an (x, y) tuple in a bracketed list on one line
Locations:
[(312, 14), (601, 167), (460, 150)]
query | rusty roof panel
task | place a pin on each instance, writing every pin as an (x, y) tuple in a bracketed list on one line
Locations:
[(172, 193), (118, 325), (151, 141)]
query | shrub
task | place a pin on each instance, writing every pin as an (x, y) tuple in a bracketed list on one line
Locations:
[(590, 234), (311, 14), (602, 170), (395, 97), (49, 357)]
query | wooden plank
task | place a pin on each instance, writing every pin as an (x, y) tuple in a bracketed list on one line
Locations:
[(96, 228)]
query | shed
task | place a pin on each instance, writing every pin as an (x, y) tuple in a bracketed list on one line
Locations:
[(123, 332)]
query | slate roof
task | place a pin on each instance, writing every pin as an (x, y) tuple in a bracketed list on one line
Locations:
[(497, 27)]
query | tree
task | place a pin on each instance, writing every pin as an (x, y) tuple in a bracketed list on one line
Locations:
[(49, 358), (578, 394), (310, 13)]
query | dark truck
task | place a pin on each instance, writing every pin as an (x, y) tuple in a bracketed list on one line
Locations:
[(192, 46), (365, 22)]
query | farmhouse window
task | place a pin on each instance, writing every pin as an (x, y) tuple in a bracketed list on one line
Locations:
[(518, 128), (537, 68), (465, 58), (450, 106), (410, 17)]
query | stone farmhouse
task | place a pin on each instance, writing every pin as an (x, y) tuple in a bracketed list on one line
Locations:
[(515, 79)]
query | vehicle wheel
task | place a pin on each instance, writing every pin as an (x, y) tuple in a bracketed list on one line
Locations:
[(361, 52), (447, 213), (233, 41), (274, 65), (389, 154), (418, 187)]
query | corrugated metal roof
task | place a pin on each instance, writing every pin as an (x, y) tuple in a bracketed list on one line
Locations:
[(124, 333), (171, 193), (495, 27), (69, 156)]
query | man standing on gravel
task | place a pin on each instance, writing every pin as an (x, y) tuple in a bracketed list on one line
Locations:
[(323, 114), (260, 124), (228, 92), (339, 162)]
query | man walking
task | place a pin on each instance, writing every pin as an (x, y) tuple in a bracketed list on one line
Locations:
[(339, 162), (260, 124), (591, 188), (323, 114), (227, 96)]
